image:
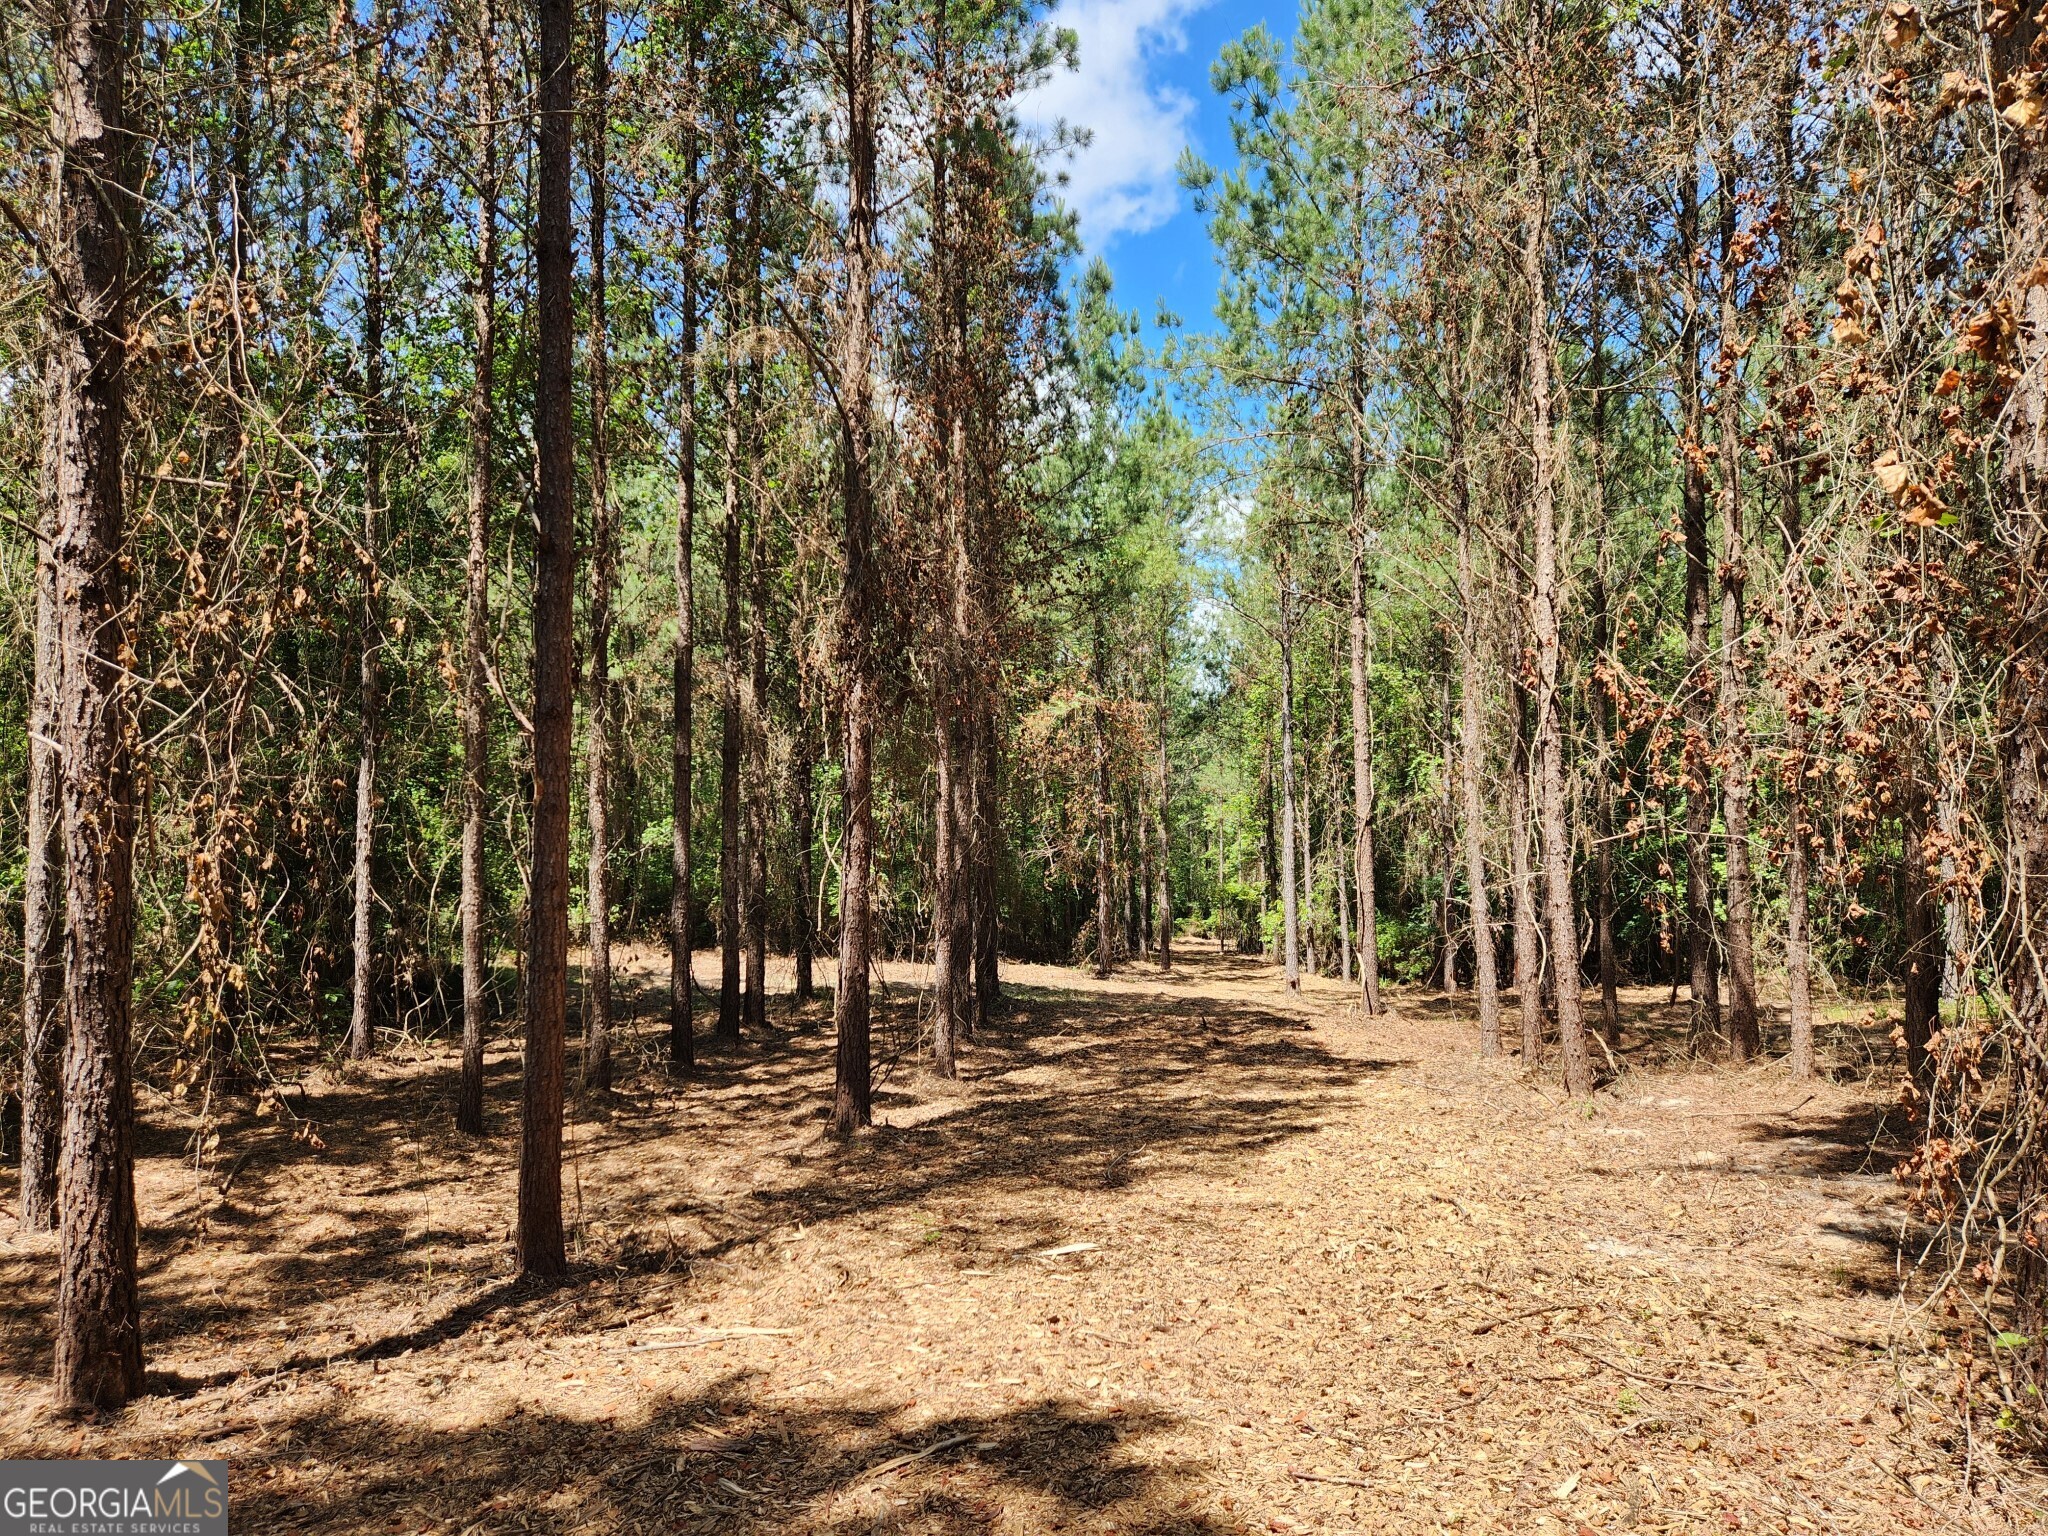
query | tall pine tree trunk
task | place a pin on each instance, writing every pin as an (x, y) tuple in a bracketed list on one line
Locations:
[(370, 617), (1447, 823), (476, 689), (1732, 698), (1703, 960), (597, 1016), (2023, 705), (1607, 764), (42, 894), (1162, 905), (851, 1085), (539, 1239), (804, 933), (1290, 902), (1343, 907), (98, 1356), (1105, 883), (1141, 891), (1362, 793), (953, 684), (1472, 755), (1547, 605), (754, 711), (734, 470), (946, 894), (682, 917), (1921, 930), (1798, 939), (1528, 938)]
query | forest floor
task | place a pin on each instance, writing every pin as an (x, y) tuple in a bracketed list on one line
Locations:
[(1184, 1255)]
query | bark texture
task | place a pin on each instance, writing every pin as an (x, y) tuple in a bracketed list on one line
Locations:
[(682, 1044), (362, 1022), (597, 982), (1732, 695), (42, 896), (852, 1086), (476, 628), (1547, 612), (1471, 766), (1290, 901), (1362, 793), (539, 1241), (1528, 934), (98, 1353)]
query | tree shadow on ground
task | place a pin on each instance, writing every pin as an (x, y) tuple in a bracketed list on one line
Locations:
[(1860, 1139), (389, 1205), (719, 1459)]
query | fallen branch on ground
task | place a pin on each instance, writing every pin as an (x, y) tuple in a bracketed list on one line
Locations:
[(1647, 1380), (898, 1463), (1320, 1477), (714, 1336), (1514, 1317)]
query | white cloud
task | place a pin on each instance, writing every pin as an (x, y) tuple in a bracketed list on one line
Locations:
[(1122, 181)]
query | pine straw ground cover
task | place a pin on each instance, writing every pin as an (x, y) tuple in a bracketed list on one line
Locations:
[(1176, 1256)]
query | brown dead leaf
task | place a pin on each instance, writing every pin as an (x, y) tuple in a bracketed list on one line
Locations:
[(1892, 473), (1901, 25)]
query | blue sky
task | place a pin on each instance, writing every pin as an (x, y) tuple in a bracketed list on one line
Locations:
[(1143, 91)]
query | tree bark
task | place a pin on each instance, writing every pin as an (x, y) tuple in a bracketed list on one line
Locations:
[(1921, 930), (1704, 1027), (98, 1356), (1744, 1037), (1547, 608), (539, 1241), (730, 877), (754, 701), (362, 996), (1448, 823), (476, 689), (597, 1016), (682, 1042), (1268, 832), (956, 681), (1306, 816), (1290, 904), (1472, 755), (1362, 791), (1162, 905), (1140, 897), (945, 897), (1606, 763), (42, 891), (1798, 941), (1343, 908), (1105, 884), (1528, 939), (804, 934), (852, 1087), (2023, 703)]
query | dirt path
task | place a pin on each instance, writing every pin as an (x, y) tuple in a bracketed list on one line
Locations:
[(1175, 1256)]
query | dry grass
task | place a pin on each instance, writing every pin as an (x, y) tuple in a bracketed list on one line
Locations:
[(1337, 1277)]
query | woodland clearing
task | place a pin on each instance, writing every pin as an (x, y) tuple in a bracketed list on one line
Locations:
[(1174, 1254)]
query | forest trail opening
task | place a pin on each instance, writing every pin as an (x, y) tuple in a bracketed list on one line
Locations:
[(1176, 1254)]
